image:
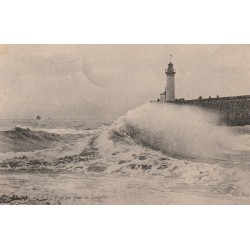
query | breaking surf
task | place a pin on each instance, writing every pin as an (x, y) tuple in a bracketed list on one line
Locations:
[(156, 154)]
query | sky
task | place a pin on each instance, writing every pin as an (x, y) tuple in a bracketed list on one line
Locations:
[(105, 81)]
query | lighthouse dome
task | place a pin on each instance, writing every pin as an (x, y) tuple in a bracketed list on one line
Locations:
[(170, 69), (170, 65)]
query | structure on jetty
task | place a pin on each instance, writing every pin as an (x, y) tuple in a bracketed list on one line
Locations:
[(232, 110)]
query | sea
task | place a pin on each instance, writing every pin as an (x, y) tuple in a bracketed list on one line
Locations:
[(155, 154)]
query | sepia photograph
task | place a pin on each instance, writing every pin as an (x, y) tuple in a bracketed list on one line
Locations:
[(124, 124), (158, 124)]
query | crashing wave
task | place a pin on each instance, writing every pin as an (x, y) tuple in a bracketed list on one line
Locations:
[(179, 130)]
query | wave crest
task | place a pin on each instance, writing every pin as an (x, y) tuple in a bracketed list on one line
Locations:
[(178, 130), (24, 139)]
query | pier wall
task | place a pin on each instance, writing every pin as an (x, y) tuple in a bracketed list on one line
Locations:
[(234, 111)]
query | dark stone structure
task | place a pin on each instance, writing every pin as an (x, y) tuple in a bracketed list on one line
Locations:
[(233, 111)]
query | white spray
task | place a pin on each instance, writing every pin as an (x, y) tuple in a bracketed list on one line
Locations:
[(180, 130)]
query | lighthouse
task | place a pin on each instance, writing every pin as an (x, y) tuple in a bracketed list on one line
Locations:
[(169, 94)]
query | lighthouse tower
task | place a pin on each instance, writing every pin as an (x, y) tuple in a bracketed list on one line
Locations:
[(170, 85)]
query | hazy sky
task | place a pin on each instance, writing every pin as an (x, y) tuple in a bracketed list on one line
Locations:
[(104, 81)]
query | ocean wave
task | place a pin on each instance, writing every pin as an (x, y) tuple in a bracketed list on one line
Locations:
[(180, 131), (58, 131), (145, 139), (24, 134), (24, 139)]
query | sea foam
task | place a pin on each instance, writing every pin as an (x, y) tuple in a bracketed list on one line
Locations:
[(179, 130)]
